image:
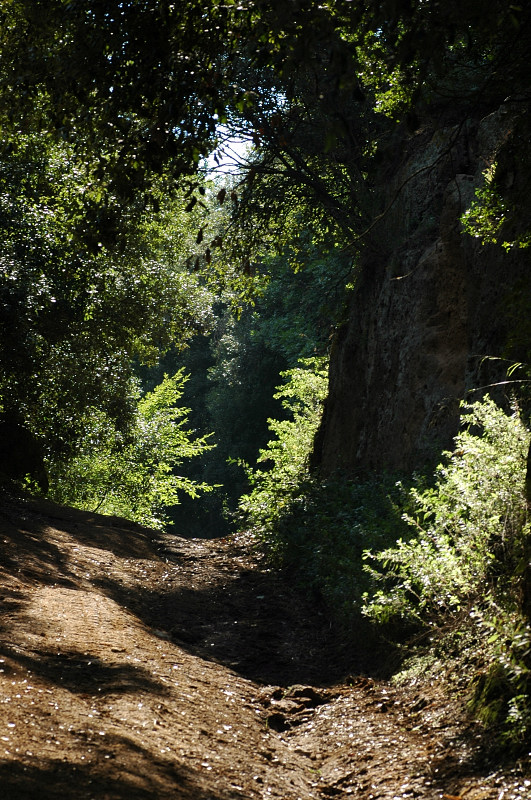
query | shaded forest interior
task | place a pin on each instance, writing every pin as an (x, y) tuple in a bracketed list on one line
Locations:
[(265, 269)]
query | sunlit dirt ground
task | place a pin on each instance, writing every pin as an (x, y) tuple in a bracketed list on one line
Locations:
[(139, 665)]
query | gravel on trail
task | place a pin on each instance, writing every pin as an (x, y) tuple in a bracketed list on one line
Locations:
[(136, 664)]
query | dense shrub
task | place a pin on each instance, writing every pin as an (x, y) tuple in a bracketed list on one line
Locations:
[(318, 529), (462, 565), (437, 566), (132, 474)]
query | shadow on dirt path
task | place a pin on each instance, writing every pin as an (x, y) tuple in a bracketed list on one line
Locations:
[(55, 779), (138, 665), (244, 617)]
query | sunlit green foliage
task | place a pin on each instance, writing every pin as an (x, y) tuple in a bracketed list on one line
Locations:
[(76, 309), (464, 528), (486, 215), (133, 474), (463, 561), (285, 459), (490, 215)]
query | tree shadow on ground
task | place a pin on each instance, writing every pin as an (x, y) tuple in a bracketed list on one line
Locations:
[(103, 778), (32, 549), (30, 556), (252, 622), (80, 673), (31, 530), (36, 539)]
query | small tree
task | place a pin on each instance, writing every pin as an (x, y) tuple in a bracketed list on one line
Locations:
[(285, 459), (133, 474)]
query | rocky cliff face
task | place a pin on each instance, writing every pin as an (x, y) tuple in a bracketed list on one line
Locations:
[(429, 306)]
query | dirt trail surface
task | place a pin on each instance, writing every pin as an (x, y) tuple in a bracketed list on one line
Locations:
[(138, 665)]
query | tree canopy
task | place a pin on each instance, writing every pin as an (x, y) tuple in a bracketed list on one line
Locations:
[(107, 109), (139, 90), (80, 302), (138, 87), (120, 241)]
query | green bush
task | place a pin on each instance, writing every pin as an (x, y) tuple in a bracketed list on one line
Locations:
[(317, 529), (440, 563), (461, 565), (283, 465), (132, 474)]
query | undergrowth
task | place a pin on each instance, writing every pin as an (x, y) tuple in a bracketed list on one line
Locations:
[(436, 563), (133, 474), (462, 572)]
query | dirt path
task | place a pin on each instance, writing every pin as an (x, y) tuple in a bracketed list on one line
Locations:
[(134, 666)]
